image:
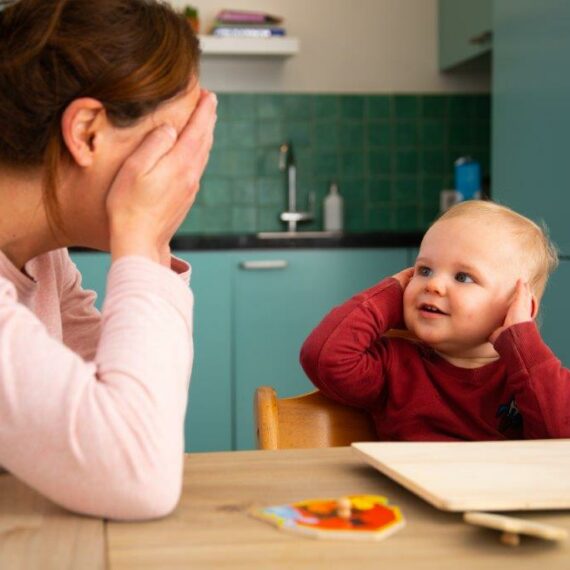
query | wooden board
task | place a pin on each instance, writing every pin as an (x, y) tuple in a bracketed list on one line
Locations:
[(481, 476)]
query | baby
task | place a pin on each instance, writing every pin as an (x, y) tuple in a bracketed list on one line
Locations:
[(474, 366)]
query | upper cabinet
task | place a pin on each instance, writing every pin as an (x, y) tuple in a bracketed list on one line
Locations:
[(465, 31)]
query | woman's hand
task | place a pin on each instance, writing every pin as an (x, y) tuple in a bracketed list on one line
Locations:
[(522, 309), (158, 183)]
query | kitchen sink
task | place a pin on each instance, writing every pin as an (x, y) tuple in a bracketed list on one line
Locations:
[(297, 235)]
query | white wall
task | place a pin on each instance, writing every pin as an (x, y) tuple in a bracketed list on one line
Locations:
[(347, 46)]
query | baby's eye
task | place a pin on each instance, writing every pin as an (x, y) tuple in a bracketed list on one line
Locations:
[(464, 277), (423, 271)]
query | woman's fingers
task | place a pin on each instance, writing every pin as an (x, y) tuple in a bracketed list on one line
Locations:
[(156, 144)]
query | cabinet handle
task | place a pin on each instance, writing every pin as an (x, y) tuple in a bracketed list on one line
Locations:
[(264, 264)]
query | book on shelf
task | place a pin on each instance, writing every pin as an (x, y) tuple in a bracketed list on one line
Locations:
[(247, 32), (247, 17)]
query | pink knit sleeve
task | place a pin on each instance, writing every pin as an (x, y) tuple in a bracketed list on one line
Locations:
[(103, 437)]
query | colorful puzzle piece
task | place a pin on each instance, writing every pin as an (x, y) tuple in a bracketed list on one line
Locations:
[(357, 517)]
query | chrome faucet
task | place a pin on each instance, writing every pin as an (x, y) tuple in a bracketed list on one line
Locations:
[(292, 216)]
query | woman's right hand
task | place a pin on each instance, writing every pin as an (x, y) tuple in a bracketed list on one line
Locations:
[(158, 183)]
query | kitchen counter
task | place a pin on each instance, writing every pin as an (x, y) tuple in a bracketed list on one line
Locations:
[(302, 240)]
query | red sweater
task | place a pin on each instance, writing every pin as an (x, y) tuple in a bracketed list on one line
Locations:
[(415, 395)]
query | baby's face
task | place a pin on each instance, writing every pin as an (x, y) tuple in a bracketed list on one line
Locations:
[(465, 276)]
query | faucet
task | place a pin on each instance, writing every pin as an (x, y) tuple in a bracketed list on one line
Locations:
[(292, 216)]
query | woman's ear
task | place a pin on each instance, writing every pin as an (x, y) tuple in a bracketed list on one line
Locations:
[(535, 304), (81, 126)]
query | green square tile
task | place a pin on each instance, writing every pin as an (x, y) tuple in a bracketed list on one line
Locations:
[(352, 164), (380, 217), (482, 104), (298, 107), (379, 106), (268, 161), (355, 217), (222, 135), (405, 189), (270, 133), (223, 110), (379, 134), (244, 219), (241, 107), (406, 106), (380, 163), (482, 133), (270, 106), (428, 214), (432, 133), (353, 189), (327, 135), (216, 220), (192, 222), (243, 162), (352, 107), (298, 132), (268, 220), (460, 133), (219, 163), (379, 190), (216, 192), (244, 191), (461, 107), (406, 218), (305, 161), (326, 164), (326, 107), (406, 133), (351, 135), (242, 134), (271, 191), (407, 162), (430, 188), (433, 162), (434, 106)]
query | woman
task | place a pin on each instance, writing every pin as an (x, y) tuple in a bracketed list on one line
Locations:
[(104, 136)]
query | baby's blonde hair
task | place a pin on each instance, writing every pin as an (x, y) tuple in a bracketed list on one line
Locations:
[(539, 253)]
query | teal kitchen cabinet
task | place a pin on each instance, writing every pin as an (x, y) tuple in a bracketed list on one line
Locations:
[(531, 125), (279, 297), (464, 31), (208, 425)]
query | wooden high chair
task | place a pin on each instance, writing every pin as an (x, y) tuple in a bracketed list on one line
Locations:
[(308, 420)]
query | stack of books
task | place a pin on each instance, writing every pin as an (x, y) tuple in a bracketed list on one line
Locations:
[(245, 24)]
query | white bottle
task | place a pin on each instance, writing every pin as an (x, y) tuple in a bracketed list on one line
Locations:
[(333, 210)]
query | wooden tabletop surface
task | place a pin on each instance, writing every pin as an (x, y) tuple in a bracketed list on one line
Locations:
[(211, 527)]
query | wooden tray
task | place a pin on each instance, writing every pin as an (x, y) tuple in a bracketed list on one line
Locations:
[(479, 476)]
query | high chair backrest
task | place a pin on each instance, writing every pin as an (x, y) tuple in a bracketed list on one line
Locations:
[(308, 420)]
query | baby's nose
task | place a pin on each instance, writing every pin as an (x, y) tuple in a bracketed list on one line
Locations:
[(435, 284)]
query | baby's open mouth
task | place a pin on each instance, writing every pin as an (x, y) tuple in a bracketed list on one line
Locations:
[(431, 309)]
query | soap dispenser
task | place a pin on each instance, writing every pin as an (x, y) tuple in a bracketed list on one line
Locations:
[(333, 209)]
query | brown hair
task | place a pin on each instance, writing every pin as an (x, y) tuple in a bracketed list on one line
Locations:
[(539, 253), (131, 55)]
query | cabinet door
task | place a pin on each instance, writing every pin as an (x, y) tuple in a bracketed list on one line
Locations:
[(276, 309), (531, 116), (555, 313), (93, 267), (464, 30), (209, 414)]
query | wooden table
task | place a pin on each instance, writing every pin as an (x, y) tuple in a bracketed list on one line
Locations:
[(210, 527)]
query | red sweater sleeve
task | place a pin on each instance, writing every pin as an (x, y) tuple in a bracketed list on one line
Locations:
[(344, 356), (541, 385)]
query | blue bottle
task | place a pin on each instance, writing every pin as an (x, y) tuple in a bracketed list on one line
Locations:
[(467, 178)]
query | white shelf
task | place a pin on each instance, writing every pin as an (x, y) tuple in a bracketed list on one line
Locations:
[(277, 47)]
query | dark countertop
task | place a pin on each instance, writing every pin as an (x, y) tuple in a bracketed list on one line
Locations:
[(317, 240)]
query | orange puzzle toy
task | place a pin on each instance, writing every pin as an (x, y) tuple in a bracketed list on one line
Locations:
[(357, 517)]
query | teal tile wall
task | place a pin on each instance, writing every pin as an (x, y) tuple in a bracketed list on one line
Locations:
[(390, 154)]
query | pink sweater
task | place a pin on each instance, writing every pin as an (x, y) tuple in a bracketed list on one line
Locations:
[(92, 404)]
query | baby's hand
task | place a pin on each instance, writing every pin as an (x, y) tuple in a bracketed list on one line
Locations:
[(521, 309), (404, 277)]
